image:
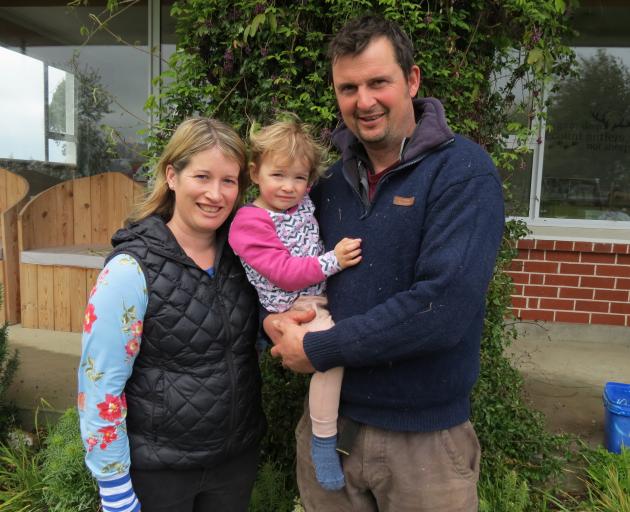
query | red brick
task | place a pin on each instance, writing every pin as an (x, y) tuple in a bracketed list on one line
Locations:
[(545, 267), (612, 295), (577, 268), (576, 293), (623, 308), (583, 246), (541, 291), (595, 257), (536, 314), (537, 255), (573, 318), (608, 319), (516, 313), (623, 259), (560, 280), (562, 256), (532, 303), (597, 282), (518, 289), (623, 284), (522, 255), (519, 302), (563, 245), (526, 244), (628, 321), (621, 248), (556, 304), (516, 265), (544, 244), (613, 270), (519, 277), (589, 305), (536, 278), (602, 247)]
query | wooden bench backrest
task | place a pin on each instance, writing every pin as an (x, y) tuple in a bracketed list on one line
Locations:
[(13, 196), (83, 211)]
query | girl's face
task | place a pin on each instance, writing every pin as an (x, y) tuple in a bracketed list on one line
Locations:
[(282, 184), (205, 191)]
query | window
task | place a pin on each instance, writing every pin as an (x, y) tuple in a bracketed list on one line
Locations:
[(578, 174)]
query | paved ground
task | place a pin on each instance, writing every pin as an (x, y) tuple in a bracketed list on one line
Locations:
[(564, 366)]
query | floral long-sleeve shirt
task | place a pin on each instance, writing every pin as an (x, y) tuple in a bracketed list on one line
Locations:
[(112, 330)]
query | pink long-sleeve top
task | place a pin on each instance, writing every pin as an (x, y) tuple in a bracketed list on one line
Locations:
[(282, 254)]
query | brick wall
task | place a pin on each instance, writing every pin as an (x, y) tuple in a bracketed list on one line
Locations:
[(576, 282)]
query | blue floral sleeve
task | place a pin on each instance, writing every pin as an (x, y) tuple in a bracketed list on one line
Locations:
[(112, 330)]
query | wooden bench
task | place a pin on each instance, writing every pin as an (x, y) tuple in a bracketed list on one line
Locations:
[(64, 236), (13, 196)]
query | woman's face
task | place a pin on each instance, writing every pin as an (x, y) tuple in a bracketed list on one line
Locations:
[(205, 191)]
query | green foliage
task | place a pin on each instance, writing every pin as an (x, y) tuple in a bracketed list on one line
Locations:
[(68, 486), (508, 494), (21, 479), (272, 491), (283, 401), (607, 480)]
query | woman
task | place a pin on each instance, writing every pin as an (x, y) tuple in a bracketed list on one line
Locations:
[(169, 385)]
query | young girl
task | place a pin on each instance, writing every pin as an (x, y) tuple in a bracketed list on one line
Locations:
[(277, 239)]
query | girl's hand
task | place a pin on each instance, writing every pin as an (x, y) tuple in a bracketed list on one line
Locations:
[(348, 252)]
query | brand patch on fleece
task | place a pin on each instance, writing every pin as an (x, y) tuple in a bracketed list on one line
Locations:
[(404, 201)]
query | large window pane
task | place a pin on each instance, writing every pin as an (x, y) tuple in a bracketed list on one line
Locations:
[(586, 171), (96, 87), (587, 154)]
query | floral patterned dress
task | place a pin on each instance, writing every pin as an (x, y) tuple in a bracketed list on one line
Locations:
[(112, 330)]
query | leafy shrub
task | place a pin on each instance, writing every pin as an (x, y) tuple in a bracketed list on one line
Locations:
[(21, 479), (68, 484), (508, 494), (272, 491)]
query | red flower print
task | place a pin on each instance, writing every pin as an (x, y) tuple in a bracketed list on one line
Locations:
[(136, 328), (112, 408), (92, 291), (90, 317), (91, 442), (81, 401), (109, 435), (132, 347)]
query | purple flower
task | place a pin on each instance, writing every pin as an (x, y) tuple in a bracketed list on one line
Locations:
[(536, 35), (264, 51), (259, 9)]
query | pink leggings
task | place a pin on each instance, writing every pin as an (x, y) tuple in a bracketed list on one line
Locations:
[(323, 396)]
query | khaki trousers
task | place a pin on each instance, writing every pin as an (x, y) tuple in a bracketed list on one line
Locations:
[(396, 471)]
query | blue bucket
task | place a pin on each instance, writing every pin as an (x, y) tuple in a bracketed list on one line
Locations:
[(617, 403)]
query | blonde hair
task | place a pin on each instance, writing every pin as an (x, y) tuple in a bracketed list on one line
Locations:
[(191, 137), (290, 139)]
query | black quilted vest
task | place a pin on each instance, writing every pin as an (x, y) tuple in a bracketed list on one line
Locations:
[(194, 395)]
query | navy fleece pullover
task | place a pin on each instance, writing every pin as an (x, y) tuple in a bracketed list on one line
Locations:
[(409, 317)]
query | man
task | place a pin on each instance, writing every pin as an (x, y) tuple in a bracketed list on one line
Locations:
[(427, 205)]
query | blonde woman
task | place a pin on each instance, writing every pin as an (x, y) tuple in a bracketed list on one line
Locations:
[(169, 385)]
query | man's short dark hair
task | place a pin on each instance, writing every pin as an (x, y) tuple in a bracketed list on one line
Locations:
[(357, 34)]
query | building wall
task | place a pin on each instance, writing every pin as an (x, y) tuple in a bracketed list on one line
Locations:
[(575, 282)]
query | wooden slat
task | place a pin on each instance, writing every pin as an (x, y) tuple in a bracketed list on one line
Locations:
[(61, 294), (82, 211), (139, 190), (78, 293), (100, 207), (122, 201), (17, 188), (64, 214), (3, 309), (28, 294), (11, 263), (4, 201), (45, 297)]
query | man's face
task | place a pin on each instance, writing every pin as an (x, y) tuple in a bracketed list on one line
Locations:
[(374, 96)]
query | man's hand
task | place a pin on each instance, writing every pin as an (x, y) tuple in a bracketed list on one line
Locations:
[(287, 335), (348, 252)]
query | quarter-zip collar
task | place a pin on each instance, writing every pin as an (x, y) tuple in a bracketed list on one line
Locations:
[(431, 133)]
